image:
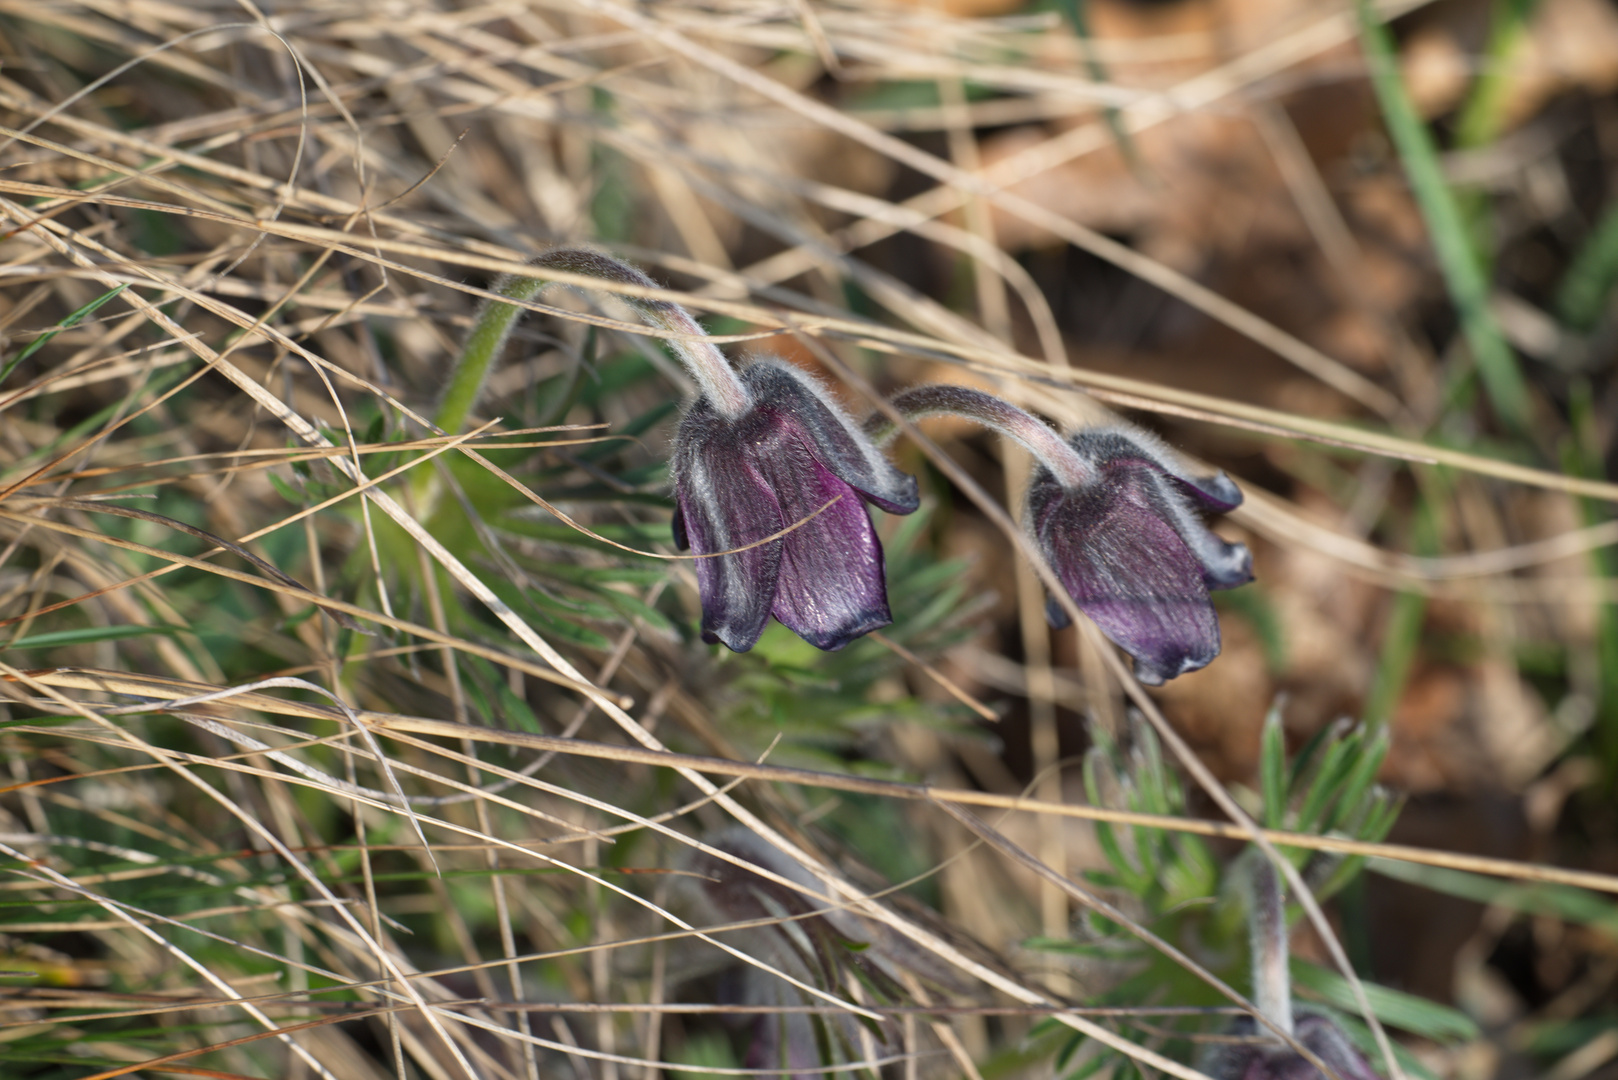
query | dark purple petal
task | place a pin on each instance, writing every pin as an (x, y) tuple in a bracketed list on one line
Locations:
[(831, 588), (1128, 569), (835, 439), (1224, 565), (725, 504), (1217, 493), (1134, 554), (740, 479), (682, 542)]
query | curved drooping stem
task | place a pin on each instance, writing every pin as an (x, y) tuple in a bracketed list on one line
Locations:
[(1267, 923), (495, 321), (1034, 434)]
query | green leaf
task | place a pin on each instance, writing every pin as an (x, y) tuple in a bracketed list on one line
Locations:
[(1190, 872), (1091, 1067), (1558, 1037), (1582, 455), (1478, 123), (1394, 1008), (706, 1049), (1327, 782), (630, 607), (1361, 775), (1135, 880), (1365, 1042), (624, 433), (88, 635), (1306, 756), (1562, 901), (1069, 1048), (286, 490)]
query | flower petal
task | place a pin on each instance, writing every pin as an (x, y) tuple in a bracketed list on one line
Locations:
[(1101, 446), (723, 504), (1329, 1043), (1217, 493), (831, 588), (682, 542), (835, 439), (1224, 565), (1129, 570)]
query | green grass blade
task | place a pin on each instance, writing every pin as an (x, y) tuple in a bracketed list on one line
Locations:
[(1484, 111), (1405, 1011), (1402, 638), (72, 320), (1325, 786), (1371, 748), (1581, 455), (1564, 902), (1463, 273), (88, 635), (1589, 282), (1273, 771)]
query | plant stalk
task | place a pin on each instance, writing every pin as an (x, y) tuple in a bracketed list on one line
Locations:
[(1037, 437)]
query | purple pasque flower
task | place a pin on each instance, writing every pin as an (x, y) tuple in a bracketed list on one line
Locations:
[(1124, 537), (1112, 512), (742, 475), (1267, 1059)]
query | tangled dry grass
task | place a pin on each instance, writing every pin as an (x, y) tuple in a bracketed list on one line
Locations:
[(336, 749)]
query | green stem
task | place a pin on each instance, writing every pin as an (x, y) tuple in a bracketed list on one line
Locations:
[(487, 341), (714, 375), (1268, 932)]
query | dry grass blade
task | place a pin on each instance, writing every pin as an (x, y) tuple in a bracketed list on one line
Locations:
[(160, 692)]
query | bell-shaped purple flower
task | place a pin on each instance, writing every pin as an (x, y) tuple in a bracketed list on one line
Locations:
[(743, 476), (1125, 539), (1265, 1059)]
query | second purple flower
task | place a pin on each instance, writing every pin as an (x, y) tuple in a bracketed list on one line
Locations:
[(1133, 552), (1115, 515)]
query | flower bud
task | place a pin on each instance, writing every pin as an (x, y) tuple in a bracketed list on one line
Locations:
[(1129, 548), (781, 461)]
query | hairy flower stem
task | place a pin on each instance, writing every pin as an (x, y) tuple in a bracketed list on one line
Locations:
[(707, 365), (1034, 434), (487, 340), (1267, 923)]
